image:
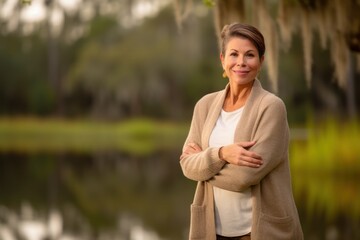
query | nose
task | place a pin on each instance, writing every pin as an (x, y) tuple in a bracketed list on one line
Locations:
[(241, 61)]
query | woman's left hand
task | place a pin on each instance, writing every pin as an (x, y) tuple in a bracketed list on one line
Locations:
[(189, 149)]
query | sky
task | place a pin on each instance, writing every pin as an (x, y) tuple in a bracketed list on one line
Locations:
[(35, 11)]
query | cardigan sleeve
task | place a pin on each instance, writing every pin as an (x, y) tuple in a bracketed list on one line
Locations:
[(203, 165), (272, 139)]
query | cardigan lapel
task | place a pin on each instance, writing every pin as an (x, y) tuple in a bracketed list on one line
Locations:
[(212, 117), (245, 125)]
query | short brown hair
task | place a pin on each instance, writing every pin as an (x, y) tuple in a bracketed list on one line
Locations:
[(245, 31)]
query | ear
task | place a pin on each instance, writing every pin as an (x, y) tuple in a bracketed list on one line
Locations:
[(262, 59), (222, 59)]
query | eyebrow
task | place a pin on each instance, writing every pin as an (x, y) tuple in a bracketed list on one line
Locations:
[(245, 52)]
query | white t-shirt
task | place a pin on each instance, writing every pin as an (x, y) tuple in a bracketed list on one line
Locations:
[(233, 210)]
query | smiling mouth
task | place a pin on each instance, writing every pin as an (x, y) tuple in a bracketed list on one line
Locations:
[(241, 72)]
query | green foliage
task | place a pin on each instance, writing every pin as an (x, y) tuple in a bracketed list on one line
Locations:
[(23, 82), (41, 98), (101, 27)]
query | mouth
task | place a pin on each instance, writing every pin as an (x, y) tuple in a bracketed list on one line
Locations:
[(241, 72)]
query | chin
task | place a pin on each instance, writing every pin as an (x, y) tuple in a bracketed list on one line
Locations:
[(243, 81)]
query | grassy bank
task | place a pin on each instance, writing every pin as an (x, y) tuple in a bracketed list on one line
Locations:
[(138, 137), (329, 147)]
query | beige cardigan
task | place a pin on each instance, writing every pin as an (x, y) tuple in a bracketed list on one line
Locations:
[(264, 120)]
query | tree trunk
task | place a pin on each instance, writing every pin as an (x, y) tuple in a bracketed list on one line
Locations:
[(53, 58), (351, 103)]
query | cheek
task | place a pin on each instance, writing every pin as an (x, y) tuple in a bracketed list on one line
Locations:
[(255, 64), (230, 62)]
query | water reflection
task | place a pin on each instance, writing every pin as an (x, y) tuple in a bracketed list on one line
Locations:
[(329, 205), (31, 225), (106, 195), (112, 195)]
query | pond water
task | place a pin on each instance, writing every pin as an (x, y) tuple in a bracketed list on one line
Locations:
[(113, 195)]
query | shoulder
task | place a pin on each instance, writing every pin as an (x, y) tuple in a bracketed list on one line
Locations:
[(271, 99), (272, 102), (261, 99)]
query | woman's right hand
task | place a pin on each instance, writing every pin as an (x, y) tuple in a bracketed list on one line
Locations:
[(238, 154)]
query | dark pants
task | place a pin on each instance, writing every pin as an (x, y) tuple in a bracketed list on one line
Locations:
[(244, 237)]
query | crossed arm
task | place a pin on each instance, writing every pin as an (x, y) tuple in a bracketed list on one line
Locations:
[(236, 154), (240, 165)]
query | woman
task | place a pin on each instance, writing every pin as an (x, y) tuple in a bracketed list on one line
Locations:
[(237, 150)]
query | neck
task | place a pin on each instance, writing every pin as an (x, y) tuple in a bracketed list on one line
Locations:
[(237, 96)]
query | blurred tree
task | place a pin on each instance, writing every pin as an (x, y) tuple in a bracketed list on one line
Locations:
[(52, 42), (140, 71), (24, 88)]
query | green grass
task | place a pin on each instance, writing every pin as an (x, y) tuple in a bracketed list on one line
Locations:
[(138, 137), (331, 147)]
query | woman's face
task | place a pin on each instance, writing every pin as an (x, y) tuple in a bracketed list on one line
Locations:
[(241, 61)]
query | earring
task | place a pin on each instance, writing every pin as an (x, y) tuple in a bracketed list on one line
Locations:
[(224, 74)]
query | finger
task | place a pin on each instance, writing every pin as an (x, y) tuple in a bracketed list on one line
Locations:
[(251, 154), (188, 148), (246, 144), (249, 164), (189, 151), (194, 147), (251, 160), (197, 147)]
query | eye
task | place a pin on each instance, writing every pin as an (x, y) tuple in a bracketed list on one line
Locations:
[(250, 55), (234, 54)]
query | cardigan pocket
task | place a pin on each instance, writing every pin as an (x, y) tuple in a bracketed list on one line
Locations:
[(276, 228), (197, 222)]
